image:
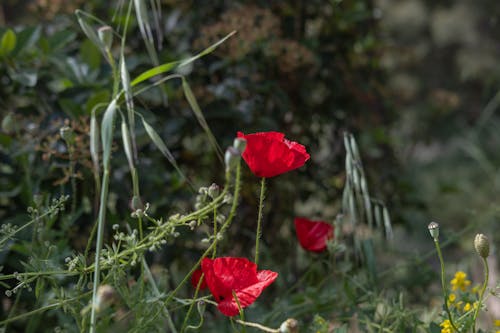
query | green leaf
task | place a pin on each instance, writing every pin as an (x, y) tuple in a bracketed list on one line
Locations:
[(90, 54), (8, 42), (175, 64), (201, 119), (59, 39), (26, 39)]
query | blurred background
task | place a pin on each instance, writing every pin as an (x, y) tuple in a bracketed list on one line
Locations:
[(416, 82)]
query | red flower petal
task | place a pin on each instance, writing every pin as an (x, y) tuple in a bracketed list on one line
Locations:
[(195, 278), (269, 154), (227, 274), (313, 235)]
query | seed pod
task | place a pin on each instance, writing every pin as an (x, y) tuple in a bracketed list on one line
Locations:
[(434, 230), (105, 34)]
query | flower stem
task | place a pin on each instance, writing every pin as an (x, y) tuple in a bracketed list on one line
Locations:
[(443, 284), (481, 294), (259, 219)]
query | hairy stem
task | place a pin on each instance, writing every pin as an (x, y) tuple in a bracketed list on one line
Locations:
[(259, 218), (481, 294)]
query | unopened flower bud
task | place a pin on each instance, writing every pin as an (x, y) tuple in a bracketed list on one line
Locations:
[(482, 245), (213, 191), (67, 134), (106, 295), (136, 203), (434, 230), (289, 326), (231, 158), (240, 144), (105, 34)]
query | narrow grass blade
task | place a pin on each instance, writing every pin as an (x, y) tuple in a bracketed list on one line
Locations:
[(127, 144), (87, 28), (94, 141), (129, 102), (387, 223), (201, 119), (175, 64), (157, 140), (107, 133), (146, 31)]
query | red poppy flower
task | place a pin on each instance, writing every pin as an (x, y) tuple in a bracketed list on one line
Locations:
[(195, 278), (313, 235), (227, 274), (269, 154)]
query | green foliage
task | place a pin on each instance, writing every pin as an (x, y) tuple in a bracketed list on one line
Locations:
[(137, 225)]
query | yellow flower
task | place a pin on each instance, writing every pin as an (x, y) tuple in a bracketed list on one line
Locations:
[(460, 281), (452, 297), (497, 322), (475, 289), (467, 306), (446, 327)]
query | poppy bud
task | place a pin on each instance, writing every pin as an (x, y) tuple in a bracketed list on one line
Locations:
[(240, 144), (106, 36), (482, 245), (289, 326), (231, 158), (434, 230), (106, 295), (213, 191), (67, 134)]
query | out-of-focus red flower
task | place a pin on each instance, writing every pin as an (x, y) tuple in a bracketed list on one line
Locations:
[(269, 154), (195, 278), (227, 274), (313, 235)]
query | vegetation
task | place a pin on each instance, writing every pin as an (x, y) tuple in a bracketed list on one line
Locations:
[(170, 166)]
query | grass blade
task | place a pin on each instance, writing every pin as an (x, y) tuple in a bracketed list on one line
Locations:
[(146, 31), (88, 30), (175, 64), (107, 133), (201, 119), (157, 140)]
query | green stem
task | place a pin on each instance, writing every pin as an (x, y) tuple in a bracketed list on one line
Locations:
[(259, 218), (481, 294), (214, 254), (240, 309), (72, 178), (188, 314), (156, 291), (100, 235), (43, 309), (443, 285)]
